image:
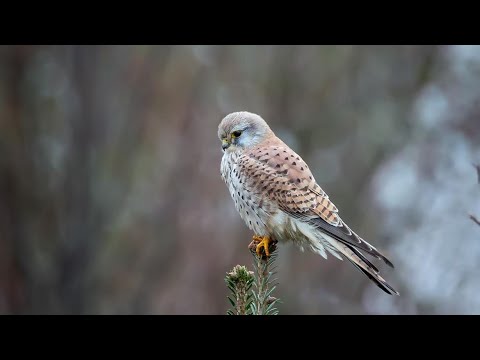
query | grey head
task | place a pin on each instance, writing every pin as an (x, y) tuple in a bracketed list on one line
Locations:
[(241, 130)]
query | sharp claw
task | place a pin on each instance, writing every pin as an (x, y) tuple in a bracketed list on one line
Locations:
[(267, 252), (259, 246), (264, 243)]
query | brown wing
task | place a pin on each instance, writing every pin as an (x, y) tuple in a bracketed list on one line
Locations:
[(283, 176), (276, 171)]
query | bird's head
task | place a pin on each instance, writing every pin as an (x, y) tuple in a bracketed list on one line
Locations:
[(241, 130)]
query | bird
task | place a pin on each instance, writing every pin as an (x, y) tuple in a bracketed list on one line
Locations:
[(277, 197)]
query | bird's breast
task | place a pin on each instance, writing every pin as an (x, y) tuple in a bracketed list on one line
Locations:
[(254, 207)]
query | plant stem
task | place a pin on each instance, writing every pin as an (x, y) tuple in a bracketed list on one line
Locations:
[(263, 303)]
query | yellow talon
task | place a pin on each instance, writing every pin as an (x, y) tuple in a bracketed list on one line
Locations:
[(264, 243)]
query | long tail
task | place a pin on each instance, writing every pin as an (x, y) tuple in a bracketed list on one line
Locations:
[(365, 266)]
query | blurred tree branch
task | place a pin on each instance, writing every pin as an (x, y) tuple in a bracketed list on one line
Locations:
[(477, 167), (473, 217)]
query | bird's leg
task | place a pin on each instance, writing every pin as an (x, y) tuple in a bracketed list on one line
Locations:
[(263, 242)]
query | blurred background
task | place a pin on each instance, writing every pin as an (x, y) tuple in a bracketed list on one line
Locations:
[(111, 200)]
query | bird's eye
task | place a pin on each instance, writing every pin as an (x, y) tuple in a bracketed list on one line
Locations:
[(236, 133)]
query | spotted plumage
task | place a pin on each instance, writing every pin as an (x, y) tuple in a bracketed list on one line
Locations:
[(277, 196)]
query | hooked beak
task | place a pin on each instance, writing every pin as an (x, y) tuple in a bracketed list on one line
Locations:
[(225, 144)]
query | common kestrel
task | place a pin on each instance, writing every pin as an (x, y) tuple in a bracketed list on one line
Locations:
[(278, 198)]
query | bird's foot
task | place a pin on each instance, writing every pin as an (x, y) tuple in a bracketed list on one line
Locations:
[(262, 242)]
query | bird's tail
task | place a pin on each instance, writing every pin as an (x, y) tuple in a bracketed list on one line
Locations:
[(365, 266)]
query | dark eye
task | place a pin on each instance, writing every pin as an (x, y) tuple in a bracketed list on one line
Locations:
[(237, 133)]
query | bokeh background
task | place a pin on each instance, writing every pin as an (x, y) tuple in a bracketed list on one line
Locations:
[(111, 200)]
